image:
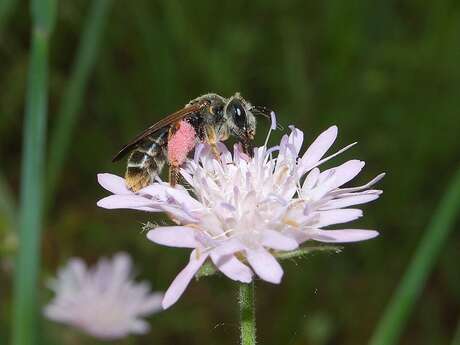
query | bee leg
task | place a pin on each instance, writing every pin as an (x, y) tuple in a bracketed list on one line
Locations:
[(248, 148), (215, 151), (173, 175), (211, 137)]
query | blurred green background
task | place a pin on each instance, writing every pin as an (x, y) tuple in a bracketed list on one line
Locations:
[(387, 73)]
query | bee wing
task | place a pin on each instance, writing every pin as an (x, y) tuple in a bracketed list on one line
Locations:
[(166, 121)]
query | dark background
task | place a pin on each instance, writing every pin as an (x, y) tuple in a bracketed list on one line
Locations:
[(387, 73)]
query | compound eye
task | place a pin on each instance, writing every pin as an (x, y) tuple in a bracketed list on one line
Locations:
[(238, 110), (238, 113)]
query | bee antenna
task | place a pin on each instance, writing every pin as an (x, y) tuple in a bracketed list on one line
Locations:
[(266, 112)]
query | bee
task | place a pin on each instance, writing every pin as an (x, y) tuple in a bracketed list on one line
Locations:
[(210, 118)]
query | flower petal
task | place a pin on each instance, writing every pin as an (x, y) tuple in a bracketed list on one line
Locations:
[(138, 326), (318, 148), (311, 179), (342, 236), (350, 201), (173, 236), (72, 275), (265, 265), (229, 247), (337, 216), (346, 172), (121, 269), (126, 201), (183, 198), (333, 178), (296, 139), (151, 304), (156, 190), (179, 214), (180, 283), (113, 183), (275, 240), (298, 235), (232, 267)]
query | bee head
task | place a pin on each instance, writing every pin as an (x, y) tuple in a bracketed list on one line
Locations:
[(241, 121)]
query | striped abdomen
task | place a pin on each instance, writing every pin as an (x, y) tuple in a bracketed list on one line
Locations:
[(146, 161)]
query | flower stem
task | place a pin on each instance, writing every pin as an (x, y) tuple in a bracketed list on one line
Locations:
[(247, 314)]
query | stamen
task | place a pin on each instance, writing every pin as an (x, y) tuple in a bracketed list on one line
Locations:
[(223, 234), (272, 127), (333, 155), (273, 119)]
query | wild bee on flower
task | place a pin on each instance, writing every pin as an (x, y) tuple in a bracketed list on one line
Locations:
[(209, 119), (242, 212)]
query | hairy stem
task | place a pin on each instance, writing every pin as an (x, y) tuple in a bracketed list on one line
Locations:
[(247, 314)]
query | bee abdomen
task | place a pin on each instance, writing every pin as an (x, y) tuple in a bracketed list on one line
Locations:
[(146, 162)]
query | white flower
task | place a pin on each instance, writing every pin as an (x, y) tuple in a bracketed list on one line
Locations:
[(243, 210), (102, 301)]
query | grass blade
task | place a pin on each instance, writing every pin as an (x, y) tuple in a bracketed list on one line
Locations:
[(31, 196), (67, 115), (395, 316)]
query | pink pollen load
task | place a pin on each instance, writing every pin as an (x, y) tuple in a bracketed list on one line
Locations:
[(181, 143)]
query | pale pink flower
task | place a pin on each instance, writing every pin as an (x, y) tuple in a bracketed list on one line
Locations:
[(242, 210), (102, 301)]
